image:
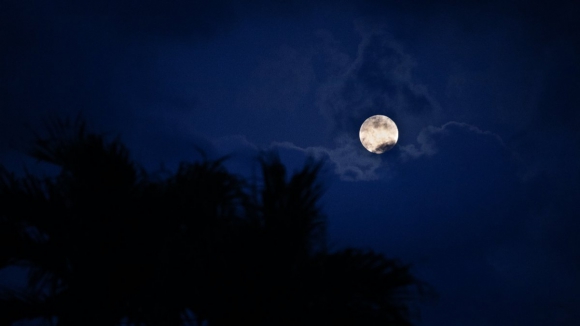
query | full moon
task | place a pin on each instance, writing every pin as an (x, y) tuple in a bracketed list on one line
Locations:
[(378, 134)]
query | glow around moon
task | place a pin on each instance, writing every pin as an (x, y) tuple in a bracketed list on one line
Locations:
[(378, 134)]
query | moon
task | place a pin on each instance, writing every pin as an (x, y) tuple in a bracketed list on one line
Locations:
[(378, 134)]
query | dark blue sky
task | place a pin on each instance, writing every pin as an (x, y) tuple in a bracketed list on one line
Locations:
[(481, 192)]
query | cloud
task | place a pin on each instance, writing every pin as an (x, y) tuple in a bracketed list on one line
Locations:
[(378, 81), (350, 161), (428, 138)]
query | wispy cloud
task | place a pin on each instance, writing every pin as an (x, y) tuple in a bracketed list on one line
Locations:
[(379, 80), (428, 138), (350, 161)]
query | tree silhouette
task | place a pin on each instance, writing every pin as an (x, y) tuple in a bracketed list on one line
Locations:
[(106, 243)]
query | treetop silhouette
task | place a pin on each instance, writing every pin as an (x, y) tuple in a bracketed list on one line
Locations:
[(106, 243)]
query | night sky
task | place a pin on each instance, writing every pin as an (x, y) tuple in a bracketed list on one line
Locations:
[(480, 194)]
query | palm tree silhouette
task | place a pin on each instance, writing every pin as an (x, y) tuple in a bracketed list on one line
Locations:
[(107, 244)]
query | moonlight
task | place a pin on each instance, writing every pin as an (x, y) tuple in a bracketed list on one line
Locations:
[(378, 134)]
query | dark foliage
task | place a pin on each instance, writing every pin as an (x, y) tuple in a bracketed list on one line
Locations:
[(105, 244)]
